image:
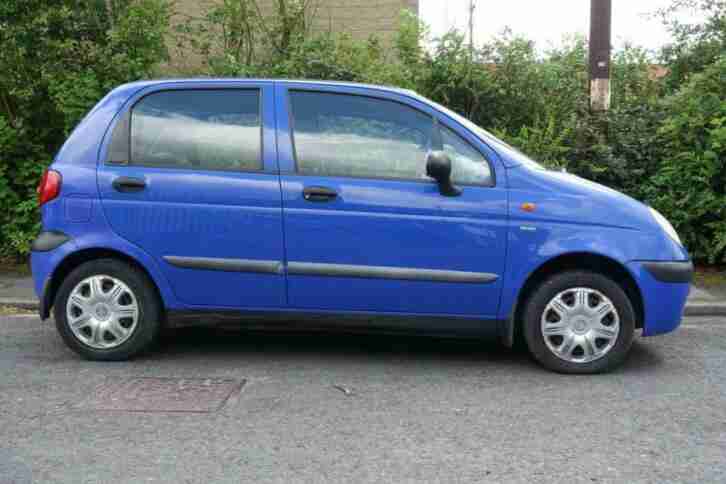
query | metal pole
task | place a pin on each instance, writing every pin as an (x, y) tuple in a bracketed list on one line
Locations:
[(600, 40)]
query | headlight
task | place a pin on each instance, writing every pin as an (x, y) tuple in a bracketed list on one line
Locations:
[(665, 225)]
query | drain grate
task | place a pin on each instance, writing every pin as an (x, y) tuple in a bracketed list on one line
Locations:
[(196, 395)]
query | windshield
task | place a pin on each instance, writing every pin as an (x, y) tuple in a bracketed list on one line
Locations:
[(511, 152)]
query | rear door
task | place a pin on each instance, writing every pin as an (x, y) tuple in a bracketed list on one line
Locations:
[(365, 228), (197, 187)]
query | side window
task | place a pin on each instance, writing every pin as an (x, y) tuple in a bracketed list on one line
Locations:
[(198, 129), (348, 135), (468, 166)]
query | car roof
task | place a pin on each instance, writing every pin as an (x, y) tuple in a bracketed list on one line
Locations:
[(224, 80)]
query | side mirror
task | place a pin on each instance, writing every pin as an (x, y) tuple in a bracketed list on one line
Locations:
[(438, 167)]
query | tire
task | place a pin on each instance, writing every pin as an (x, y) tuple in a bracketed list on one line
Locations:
[(109, 326), (584, 295)]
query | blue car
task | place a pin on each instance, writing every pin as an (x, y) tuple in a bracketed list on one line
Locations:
[(340, 205)]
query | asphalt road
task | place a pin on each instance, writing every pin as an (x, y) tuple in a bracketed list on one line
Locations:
[(342, 408)]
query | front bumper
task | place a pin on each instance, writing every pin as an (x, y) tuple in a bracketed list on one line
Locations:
[(674, 272), (665, 286)]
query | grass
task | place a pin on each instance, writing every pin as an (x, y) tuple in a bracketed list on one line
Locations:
[(10, 310)]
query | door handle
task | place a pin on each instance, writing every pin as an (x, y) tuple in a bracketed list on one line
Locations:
[(319, 194), (127, 184)]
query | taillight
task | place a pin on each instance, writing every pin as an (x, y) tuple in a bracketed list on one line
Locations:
[(49, 187)]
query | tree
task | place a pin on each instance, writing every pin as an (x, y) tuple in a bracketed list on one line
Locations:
[(695, 45)]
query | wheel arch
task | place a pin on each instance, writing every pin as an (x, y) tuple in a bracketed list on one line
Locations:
[(75, 259), (598, 263)]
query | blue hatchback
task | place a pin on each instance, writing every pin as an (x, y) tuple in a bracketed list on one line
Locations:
[(344, 205)]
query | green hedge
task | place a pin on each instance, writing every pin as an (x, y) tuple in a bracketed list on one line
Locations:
[(58, 58)]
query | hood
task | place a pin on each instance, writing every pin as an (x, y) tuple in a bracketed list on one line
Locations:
[(566, 197)]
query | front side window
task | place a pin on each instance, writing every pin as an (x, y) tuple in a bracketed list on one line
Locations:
[(357, 136), (468, 166), (198, 129)]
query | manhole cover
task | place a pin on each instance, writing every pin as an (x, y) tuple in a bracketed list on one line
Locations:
[(164, 394)]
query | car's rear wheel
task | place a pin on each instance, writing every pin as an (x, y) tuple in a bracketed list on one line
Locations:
[(579, 322), (107, 309)]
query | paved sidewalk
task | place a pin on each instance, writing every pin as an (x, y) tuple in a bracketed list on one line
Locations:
[(706, 302), (18, 291), (16, 287)]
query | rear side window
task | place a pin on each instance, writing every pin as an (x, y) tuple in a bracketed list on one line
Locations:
[(198, 129), (357, 136)]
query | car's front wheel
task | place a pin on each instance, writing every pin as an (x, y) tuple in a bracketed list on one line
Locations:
[(579, 322), (107, 310)]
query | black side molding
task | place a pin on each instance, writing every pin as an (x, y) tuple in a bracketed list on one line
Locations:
[(676, 272), (229, 265), (330, 270), (49, 240), (383, 272)]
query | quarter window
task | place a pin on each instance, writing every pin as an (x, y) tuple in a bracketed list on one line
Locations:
[(468, 166), (201, 129), (356, 136)]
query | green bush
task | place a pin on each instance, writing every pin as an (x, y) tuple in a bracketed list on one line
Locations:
[(690, 183), (58, 58), (543, 141)]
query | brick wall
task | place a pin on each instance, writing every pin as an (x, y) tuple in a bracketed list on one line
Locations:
[(359, 18)]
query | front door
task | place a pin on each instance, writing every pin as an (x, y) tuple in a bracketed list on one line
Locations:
[(199, 191), (365, 228)]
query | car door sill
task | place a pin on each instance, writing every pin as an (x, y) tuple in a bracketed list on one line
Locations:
[(447, 325)]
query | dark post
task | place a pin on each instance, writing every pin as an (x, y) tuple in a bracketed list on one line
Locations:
[(601, 17)]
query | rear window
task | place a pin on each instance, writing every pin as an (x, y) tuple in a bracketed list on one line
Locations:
[(198, 129)]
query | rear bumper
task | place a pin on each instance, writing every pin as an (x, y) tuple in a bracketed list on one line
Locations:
[(665, 287), (48, 240)]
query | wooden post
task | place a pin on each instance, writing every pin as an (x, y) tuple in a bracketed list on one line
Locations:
[(600, 40)]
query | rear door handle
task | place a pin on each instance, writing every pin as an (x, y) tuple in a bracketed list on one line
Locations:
[(319, 194), (127, 184)]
